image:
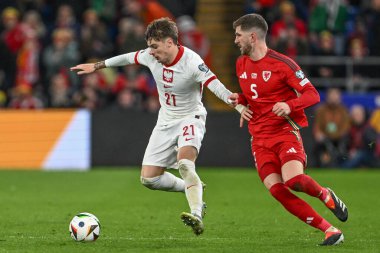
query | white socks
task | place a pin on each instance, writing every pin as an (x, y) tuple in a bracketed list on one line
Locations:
[(193, 185), (165, 182)]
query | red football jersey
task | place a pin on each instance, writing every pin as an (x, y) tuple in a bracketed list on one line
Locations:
[(274, 78)]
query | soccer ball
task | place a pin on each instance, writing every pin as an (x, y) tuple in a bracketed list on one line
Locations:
[(84, 227)]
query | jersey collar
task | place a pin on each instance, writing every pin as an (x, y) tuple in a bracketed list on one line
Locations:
[(178, 57)]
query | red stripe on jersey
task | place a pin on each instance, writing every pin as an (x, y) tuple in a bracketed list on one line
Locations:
[(209, 81), (284, 59), (136, 61)]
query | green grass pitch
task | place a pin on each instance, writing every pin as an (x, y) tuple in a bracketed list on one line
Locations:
[(36, 208)]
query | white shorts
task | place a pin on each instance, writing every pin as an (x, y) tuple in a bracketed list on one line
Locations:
[(165, 140)]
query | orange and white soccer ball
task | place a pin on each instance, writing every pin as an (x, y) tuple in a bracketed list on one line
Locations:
[(84, 227)]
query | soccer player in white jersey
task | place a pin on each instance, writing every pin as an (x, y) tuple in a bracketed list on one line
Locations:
[(180, 76)]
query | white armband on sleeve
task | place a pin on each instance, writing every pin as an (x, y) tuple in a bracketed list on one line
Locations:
[(219, 90), (120, 60)]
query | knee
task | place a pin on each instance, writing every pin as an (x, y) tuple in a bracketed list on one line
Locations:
[(276, 189), (150, 183), (186, 167), (280, 192), (295, 183)]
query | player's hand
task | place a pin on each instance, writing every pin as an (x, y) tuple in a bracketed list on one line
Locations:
[(246, 114), (233, 99), (281, 109), (84, 68)]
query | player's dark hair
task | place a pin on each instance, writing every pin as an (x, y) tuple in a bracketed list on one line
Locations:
[(249, 21), (160, 29)]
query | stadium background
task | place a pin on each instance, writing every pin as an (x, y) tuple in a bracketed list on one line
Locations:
[(53, 119)]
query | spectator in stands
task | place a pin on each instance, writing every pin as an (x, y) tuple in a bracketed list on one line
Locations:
[(152, 104), (358, 33), (136, 78), (28, 57), (329, 15), (288, 19), (22, 97), (291, 44), (192, 37), (59, 91), (359, 82), (94, 38), (262, 7), (326, 48), (375, 124), (12, 38), (331, 126), (32, 20), (360, 140), (98, 84), (373, 24), (60, 55), (147, 10), (13, 33), (88, 97), (65, 19), (126, 101), (106, 10), (131, 35)]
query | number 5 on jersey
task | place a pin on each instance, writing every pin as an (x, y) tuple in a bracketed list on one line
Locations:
[(254, 91)]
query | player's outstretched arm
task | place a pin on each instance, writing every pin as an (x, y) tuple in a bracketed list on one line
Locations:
[(88, 68), (230, 98), (233, 99), (245, 112)]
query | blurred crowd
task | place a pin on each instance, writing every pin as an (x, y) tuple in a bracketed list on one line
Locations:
[(322, 27), (346, 137)]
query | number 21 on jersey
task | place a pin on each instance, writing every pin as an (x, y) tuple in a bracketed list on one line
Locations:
[(170, 99)]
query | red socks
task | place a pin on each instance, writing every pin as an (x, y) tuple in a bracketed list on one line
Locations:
[(298, 207), (304, 183)]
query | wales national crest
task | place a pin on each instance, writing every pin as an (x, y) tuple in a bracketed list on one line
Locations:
[(167, 75), (266, 75)]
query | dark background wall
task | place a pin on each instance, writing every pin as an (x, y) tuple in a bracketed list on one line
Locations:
[(119, 138)]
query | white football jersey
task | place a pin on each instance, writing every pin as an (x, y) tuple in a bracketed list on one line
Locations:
[(179, 85)]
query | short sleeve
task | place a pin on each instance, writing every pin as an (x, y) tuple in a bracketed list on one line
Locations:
[(201, 72)]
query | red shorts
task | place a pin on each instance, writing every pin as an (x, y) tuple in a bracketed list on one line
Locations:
[(277, 150)]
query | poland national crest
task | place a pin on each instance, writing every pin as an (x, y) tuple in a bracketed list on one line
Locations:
[(167, 75), (266, 75)]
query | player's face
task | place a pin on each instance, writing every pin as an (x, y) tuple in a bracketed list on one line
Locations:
[(159, 49), (243, 39)]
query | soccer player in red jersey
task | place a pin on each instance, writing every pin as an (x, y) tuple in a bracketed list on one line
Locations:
[(277, 92)]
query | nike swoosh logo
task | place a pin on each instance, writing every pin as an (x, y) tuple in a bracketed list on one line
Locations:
[(188, 139), (167, 86)]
